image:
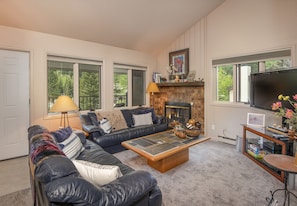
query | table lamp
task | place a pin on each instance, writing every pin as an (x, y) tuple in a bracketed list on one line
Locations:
[(152, 88), (64, 104)]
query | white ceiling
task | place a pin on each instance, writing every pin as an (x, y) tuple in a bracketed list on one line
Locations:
[(143, 25)]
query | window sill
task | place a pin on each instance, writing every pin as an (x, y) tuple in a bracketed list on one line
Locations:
[(230, 104)]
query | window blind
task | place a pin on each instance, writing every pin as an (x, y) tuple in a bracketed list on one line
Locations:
[(252, 57)]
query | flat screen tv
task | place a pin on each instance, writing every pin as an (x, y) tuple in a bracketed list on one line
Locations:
[(265, 87)]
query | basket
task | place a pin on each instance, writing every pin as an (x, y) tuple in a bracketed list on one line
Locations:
[(192, 132)]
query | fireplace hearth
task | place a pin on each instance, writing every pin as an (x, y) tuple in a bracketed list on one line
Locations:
[(177, 111)]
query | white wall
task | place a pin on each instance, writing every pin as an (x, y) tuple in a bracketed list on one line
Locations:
[(40, 44), (236, 28)]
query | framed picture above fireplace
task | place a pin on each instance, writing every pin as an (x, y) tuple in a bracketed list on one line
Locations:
[(180, 60)]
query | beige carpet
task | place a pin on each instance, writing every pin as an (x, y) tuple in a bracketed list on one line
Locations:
[(19, 198), (216, 174)]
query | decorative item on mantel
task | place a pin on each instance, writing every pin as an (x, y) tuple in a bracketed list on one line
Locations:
[(178, 65), (289, 113)]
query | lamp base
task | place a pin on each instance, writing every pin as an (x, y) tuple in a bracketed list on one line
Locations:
[(64, 116)]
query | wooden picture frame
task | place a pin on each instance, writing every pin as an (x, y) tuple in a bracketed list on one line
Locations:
[(256, 120), (180, 60)]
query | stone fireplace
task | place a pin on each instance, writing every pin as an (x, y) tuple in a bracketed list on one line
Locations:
[(187, 92)]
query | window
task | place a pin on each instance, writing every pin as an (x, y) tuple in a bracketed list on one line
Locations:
[(79, 79), (129, 85), (232, 74)]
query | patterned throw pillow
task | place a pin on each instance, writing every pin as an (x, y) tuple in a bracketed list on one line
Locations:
[(105, 125), (72, 146), (96, 173)]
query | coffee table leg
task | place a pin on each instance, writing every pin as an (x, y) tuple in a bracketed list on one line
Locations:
[(170, 162)]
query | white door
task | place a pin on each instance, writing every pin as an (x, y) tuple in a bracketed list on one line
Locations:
[(14, 103)]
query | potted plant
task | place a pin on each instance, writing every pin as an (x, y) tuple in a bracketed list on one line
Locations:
[(289, 113)]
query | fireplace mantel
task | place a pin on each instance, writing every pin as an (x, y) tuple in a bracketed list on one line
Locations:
[(181, 84)]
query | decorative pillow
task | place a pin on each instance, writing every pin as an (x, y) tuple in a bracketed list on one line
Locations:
[(144, 110), (142, 119), (96, 173), (105, 125), (72, 146), (62, 134)]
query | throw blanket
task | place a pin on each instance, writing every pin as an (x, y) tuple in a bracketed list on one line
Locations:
[(43, 145)]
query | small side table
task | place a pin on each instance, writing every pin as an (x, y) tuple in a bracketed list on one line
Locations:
[(286, 164)]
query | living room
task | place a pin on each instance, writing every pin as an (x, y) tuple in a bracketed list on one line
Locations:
[(235, 28), (245, 27)]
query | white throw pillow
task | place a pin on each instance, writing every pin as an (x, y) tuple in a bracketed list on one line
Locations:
[(142, 119), (72, 146), (105, 125), (96, 173)]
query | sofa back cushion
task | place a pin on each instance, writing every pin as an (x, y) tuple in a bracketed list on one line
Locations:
[(55, 167)]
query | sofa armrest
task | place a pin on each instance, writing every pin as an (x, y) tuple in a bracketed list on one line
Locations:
[(160, 119), (124, 191), (91, 128)]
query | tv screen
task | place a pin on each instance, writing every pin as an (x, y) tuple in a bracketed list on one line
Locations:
[(265, 87)]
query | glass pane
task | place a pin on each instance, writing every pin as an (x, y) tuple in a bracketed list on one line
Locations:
[(243, 85), (138, 87), (59, 80), (89, 87), (120, 87), (225, 83), (276, 64)]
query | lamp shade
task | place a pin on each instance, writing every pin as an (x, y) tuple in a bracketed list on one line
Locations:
[(64, 104), (152, 88)]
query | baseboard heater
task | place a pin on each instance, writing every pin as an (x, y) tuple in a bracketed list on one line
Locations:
[(228, 138)]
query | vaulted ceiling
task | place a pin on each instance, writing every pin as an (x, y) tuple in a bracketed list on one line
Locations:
[(143, 25)]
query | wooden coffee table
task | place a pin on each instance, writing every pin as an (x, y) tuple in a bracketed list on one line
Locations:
[(163, 150)]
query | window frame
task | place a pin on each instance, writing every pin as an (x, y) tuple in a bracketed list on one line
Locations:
[(259, 58), (75, 69), (129, 69)]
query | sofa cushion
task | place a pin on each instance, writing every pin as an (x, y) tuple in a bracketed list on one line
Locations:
[(96, 154), (54, 168), (72, 146), (142, 119), (93, 118), (96, 173)]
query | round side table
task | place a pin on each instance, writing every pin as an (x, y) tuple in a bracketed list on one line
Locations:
[(286, 164)]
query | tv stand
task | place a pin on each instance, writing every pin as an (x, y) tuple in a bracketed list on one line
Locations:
[(258, 142)]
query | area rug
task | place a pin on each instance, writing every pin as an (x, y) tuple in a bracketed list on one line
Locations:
[(19, 198), (215, 175)]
